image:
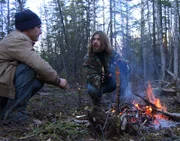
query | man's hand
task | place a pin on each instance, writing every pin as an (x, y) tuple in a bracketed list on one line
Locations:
[(63, 84), (102, 77), (105, 78)]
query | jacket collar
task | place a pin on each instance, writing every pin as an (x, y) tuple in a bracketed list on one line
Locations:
[(19, 34)]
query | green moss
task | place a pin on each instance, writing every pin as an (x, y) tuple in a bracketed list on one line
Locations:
[(60, 130)]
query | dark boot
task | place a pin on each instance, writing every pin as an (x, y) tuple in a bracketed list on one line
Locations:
[(26, 86), (3, 102), (17, 117)]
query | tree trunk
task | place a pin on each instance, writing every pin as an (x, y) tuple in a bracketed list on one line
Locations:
[(176, 35), (160, 39), (65, 36), (143, 46), (111, 18)]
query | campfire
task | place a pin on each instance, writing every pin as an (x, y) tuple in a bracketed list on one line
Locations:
[(142, 112), (146, 112)]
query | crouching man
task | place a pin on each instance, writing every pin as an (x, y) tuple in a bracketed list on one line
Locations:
[(99, 65), (22, 71)]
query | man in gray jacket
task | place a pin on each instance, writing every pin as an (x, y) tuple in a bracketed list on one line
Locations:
[(22, 71)]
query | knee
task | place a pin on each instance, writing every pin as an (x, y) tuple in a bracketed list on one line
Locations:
[(24, 75), (92, 90), (25, 71), (38, 84), (29, 71)]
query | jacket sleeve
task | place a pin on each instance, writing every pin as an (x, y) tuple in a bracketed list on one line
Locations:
[(23, 51), (93, 77)]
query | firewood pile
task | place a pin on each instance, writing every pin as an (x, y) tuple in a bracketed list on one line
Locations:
[(132, 120), (108, 124), (133, 117)]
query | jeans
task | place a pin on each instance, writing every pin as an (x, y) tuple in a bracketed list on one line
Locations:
[(96, 94), (26, 85)]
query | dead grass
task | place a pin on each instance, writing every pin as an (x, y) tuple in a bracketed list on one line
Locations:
[(54, 110)]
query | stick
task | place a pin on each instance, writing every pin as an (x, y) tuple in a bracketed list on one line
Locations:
[(147, 101), (79, 96), (117, 89)]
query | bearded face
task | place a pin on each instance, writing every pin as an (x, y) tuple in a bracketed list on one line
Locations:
[(96, 43)]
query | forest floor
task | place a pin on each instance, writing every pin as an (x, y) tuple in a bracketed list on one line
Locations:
[(55, 114)]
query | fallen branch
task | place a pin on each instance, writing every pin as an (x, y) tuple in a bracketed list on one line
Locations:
[(80, 121), (169, 90), (174, 77)]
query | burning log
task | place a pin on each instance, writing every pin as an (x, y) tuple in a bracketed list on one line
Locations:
[(173, 116), (131, 118), (146, 101)]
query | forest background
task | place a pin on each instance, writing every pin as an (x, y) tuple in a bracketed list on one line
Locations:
[(147, 33)]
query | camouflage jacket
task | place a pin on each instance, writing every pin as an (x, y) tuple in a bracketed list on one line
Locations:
[(93, 67)]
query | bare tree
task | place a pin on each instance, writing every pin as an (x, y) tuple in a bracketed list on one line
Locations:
[(21, 4), (176, 37), (143, 46), (160, 37)]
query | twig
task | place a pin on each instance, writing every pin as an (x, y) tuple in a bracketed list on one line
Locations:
[(79, 96), (107, 117), (99, 125)]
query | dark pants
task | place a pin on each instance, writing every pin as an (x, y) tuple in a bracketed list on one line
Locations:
[(96, 94), (26, 85)]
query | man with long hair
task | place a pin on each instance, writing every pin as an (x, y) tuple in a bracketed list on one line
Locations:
[(99, 66)]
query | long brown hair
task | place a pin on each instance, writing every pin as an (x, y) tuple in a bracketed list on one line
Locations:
[(104, 42)]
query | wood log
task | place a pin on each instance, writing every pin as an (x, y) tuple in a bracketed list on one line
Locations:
[(123, 122), (147, 101), (173, 116)]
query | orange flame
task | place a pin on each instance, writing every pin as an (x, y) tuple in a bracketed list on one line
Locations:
[(137, 106), (152, 99), (148, 110)]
